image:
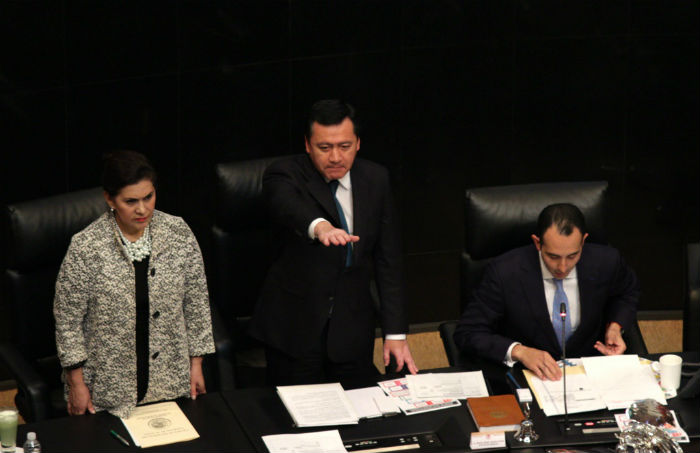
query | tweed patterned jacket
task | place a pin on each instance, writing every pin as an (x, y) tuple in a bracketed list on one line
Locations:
[(95, 311)]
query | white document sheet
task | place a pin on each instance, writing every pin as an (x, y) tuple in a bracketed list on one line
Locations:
[(461, 385), (581, 396), (319, 442), (621, 380), (318, 404), (364, 401)]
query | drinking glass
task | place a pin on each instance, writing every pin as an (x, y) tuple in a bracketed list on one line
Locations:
[(8, 429)]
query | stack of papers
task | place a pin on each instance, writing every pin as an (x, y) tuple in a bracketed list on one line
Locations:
[(398, 390), (330, 405), (593, 383), (581, 396), (621, 380), (318, 442), (416, 394), (318, 405), (371, 402)]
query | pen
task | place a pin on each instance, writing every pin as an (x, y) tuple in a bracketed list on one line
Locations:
[(510, 376), (119, 438)]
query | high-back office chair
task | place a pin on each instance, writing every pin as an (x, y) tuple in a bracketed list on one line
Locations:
[(37, 236), (498, 219), (691, 310), (242, 253)]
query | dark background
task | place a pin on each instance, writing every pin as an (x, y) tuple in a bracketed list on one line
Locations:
[(454, 94)]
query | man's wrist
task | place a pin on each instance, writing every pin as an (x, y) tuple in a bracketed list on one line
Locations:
[(509, 359), (615, 326), (312, 227)]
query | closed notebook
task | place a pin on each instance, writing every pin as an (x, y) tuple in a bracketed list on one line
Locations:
[(495, 413)]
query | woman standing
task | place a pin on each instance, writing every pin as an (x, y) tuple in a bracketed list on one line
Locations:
[(131, 304)]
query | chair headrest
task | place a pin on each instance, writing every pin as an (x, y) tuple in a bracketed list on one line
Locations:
[(239, 195), (39, 231), (501, 218)]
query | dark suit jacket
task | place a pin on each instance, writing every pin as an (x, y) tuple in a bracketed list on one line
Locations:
[(510, 305), (309, 282)]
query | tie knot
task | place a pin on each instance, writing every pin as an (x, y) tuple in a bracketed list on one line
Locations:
[(559, 282), (333, 185)]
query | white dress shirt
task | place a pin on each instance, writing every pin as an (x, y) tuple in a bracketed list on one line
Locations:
[(570, 285), (344, 196)]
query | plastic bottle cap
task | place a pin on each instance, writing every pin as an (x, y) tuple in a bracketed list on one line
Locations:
[(31, 436)]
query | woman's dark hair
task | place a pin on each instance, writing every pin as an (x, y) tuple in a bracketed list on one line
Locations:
[(123, 168)]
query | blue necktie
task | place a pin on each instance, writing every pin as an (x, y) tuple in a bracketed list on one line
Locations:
[(344, 223), (559, 298)]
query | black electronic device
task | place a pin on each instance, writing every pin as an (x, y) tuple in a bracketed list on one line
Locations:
[(562, 313), (589, 425), (397, 443)]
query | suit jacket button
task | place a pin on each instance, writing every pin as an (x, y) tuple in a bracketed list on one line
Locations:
[(331, 298), (156, 314), (155, 356)]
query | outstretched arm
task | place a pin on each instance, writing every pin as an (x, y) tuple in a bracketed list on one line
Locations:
[(328, 235)]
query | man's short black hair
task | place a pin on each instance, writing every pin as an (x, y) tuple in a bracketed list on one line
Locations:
[(564, 216), (329, 112)]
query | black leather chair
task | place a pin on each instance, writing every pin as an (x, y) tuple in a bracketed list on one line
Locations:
[(37, 234), (242, 252), (691, 310), (498, 219)]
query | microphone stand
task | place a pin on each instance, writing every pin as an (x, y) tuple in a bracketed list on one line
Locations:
[(562, 314)]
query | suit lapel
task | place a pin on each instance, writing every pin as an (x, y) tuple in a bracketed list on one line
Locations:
[(533, 288), (586, 276), (319, 190), (360, 195)]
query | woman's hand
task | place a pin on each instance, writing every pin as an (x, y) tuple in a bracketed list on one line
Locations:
[(79, 399), (196, 378)]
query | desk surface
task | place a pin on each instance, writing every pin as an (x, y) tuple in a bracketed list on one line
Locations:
[(236, 420), (209, 414), (261, 413)]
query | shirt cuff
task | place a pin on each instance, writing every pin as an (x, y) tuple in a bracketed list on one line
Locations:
[(395, 336), (508, 361), (312, 227)]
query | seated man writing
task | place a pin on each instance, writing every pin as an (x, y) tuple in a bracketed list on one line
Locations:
[(514, 315)]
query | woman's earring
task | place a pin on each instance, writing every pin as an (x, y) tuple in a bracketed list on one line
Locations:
[(111, 209)]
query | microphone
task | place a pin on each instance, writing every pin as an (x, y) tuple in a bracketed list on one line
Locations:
[(562, 314)]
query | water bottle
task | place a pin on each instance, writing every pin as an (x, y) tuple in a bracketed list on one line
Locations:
[(32, 445)]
